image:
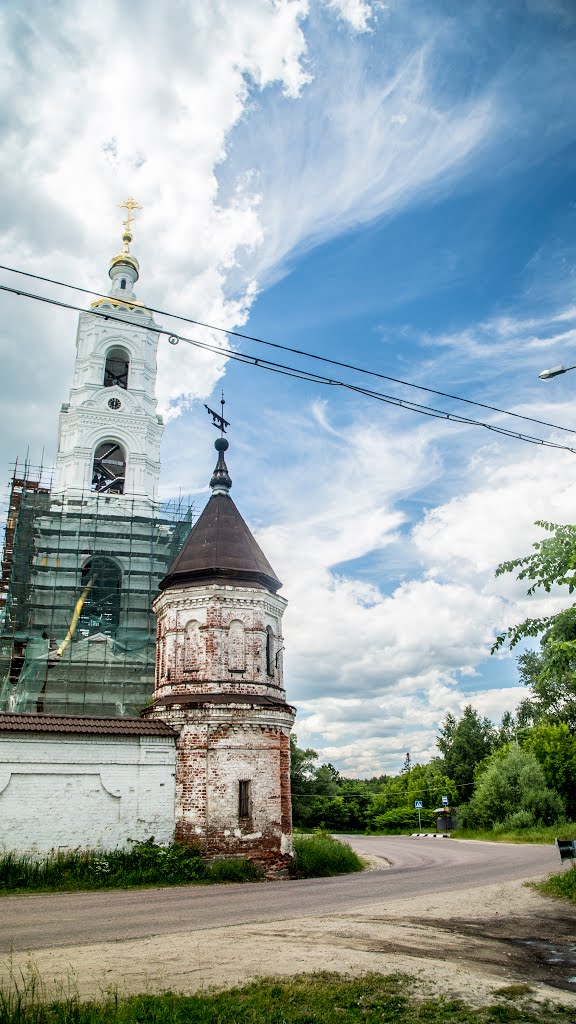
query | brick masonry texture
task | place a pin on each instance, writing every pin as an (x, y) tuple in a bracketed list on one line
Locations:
[(225, 640)]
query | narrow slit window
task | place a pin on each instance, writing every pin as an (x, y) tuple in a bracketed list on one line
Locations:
[(244, 801), (269, 651), (123, 284)]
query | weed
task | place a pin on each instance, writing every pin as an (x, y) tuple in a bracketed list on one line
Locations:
[(562, 884), (514, 991), (320, 998), (145, 863), (319, 855)]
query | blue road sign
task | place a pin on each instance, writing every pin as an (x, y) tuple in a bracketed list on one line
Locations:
[(444, 801), (418, 804)]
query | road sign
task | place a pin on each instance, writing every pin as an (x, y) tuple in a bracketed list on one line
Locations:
[(444, 801), (418, 804)]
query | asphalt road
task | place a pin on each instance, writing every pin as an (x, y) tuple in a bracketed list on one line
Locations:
[(419, 867)]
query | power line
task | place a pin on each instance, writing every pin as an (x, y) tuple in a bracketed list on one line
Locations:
[(307, 375), (296, 351)]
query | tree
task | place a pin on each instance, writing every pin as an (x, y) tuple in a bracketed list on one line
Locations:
[(555, 749), (309, 782), (407, 762), (512, 790), (551, 673), (464, 744)]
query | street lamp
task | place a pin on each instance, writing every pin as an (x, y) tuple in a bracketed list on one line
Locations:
[(555, 371)]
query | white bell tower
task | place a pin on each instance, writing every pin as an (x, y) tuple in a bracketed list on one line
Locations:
[(109, 431)]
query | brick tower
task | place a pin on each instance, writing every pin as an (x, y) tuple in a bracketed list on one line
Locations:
[(219, 684)]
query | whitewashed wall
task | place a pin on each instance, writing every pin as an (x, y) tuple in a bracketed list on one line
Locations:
[(67, 792)]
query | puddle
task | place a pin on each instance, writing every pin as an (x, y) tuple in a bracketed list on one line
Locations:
[(559, 954)]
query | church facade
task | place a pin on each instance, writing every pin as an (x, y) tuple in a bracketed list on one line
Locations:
[(83, 557), (105, 734)]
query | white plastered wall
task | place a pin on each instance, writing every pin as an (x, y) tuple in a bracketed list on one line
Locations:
[(63, 792)]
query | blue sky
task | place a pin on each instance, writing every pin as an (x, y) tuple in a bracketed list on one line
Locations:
[(386, 184)]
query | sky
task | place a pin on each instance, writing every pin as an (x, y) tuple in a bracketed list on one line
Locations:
[(389, 185)]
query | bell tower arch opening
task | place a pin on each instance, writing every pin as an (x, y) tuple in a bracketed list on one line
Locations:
[(109, 468), (101, 590), (116, 368)]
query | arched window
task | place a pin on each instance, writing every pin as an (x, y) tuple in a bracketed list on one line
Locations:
[(101, 591), (269, 651), (109, 468), (116, 368), (123, 284), (236, 647), (192, 647)]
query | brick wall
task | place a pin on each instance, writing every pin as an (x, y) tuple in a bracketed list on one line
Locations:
[(214, 641), (84, 792)]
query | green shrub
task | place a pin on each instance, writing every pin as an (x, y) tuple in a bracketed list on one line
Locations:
[(319, 855), (519, 819), (145, 863), (403, 819)]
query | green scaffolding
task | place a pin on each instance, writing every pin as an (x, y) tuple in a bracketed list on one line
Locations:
[(77, 631)]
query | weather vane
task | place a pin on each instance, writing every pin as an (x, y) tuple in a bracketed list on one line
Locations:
[(130, 205), (218, 418)]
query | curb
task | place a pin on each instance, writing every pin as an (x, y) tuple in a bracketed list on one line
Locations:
[(429, 835)]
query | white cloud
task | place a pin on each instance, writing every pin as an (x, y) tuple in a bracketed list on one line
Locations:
[(250, 132), (356, 13), (105, 105)]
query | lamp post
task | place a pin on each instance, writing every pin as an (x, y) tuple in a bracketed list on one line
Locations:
[(555, 371)]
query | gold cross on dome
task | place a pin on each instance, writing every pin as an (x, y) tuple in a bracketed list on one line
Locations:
[(128, 204)]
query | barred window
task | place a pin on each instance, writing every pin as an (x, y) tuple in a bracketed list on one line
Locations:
[(244, 799)]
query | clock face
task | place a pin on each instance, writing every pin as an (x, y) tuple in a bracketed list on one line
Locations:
[(114, 403)]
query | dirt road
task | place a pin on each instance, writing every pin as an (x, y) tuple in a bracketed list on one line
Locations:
[(435, 914)]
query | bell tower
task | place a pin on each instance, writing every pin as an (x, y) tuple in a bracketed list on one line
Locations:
[(109, 431), (85, 559)]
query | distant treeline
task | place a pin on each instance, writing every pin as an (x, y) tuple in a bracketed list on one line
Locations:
[(510, 778)]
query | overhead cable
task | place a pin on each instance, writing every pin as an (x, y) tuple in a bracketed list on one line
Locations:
[(299, 352), (300, 374)]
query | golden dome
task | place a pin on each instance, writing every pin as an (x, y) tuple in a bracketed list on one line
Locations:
[(125, 257)]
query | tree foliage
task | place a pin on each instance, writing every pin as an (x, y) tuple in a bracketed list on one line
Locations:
[(513, 783), (550, 674), (552, 563), (554, 746), (465, 743)]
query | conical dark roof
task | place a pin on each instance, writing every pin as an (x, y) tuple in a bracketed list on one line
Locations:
[(220, 546)]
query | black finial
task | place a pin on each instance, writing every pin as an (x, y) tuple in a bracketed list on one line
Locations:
[(221, 481)]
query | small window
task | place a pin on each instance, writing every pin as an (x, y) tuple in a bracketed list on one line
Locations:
[(236, 647), (244, 799), (192, 647), (269, 651), (123, 284)]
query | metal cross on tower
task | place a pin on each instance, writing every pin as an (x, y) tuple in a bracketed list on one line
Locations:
[(218, 418)]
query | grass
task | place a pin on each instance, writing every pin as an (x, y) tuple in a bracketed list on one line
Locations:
[(562, 884), (306, 999), (320, 855), (538, 834), (145, 864)]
